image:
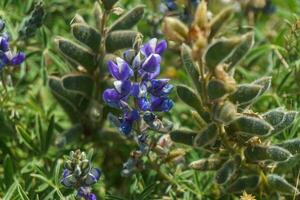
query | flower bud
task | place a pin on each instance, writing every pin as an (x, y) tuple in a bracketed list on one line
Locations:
[(201, 15), (174, 29)]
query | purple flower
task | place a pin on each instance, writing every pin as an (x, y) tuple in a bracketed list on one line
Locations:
[(85, 192), (160, 87), (114, 96), (120, 69), (154, 47), (127, 121), (68, 179), (161, 104), (17, 59), (92, 177), (4, 44)]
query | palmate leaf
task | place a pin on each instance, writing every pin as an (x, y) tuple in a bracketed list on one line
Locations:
[(11, 191), (9, 172)]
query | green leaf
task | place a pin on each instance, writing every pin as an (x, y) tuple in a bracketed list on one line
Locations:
[(117, 40), (10, 193), (190, 97), (207, 136), (22, 193), (206, 164), (244, 183), (227, 171), (49, 134), (129, 19), (108, 4), (76, 54), (183, 136), (218, 51), (250, 126), (87, 35), (279, 184), (272, 153), (78, 83), (25, 136), (190, 67), (8, 171)]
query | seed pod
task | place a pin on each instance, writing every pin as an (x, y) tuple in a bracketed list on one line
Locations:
[(274, 117), (224, 112), (78, 83), (198, 119), (272, 153), (279, 184), (76, 54), (244, 183), (241, 51), (206, 136), (190, 97), (190, 67), (77, 19), (129, 19), (219, 20), (97, 12), (292, 145), (183, 136), (174, 29), (287, 165), (265, 82), (120, 39), (216, 89), (288, 120), (218, 51), (250, 126), (245, 94), (227, 171), (34, 21), (87, 35), (208, 164)]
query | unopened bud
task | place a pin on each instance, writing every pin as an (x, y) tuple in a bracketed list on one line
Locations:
[(201, 15), (174, 29)]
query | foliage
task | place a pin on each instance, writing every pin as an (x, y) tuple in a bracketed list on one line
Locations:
[(188, 99)]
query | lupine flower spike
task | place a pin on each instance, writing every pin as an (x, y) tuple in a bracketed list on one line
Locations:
[(80, 175), (139, 94)]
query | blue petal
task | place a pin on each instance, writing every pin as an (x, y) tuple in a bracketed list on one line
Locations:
[(123, 87), (152, 63), (92, 177), (120, 70), (4, 44), (126, 127), (144, 104), (112, 97), (161, 104), (149, 48), (69, 181), (18, 59), (161, 47)]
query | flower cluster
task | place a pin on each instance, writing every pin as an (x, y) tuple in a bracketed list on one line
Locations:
[(80, 175), (136, 79), (7, 57)]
